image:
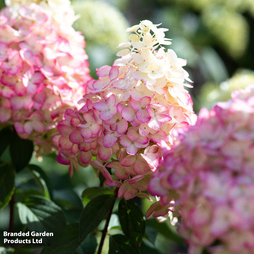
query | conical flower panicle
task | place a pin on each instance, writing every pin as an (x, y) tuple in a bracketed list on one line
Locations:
[(43, 67), (127, 112)]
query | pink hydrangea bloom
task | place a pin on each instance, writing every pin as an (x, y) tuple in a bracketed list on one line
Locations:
[(209, 175), (127, 112), (43, 66)]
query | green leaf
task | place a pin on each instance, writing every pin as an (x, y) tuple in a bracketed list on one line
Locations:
[(94, 213), (68, 199), (40, 178), (64, 242), (41, 214), (166, 230), (90, 193), (88, 246), (120, 244), (132, 220), (5, 137), (21, 151), (70, 202), (7, 179), (147, 248)]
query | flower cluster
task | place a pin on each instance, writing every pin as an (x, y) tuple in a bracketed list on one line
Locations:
[(208, 177), (43, 67), (127, 112)]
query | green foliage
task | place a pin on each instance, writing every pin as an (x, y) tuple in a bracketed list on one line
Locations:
[(41, 214), (21, 151), (65, 242), (90, 193), (94, 213), (132, 221), (119, 244), (5, 137), (166, 230), (41, 179), (7, 177)]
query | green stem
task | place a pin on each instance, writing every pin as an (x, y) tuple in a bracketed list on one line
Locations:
[(105, 229), (11, 220)]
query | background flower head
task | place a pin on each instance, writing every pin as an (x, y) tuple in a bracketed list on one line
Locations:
[(43, 66), (209, 175)]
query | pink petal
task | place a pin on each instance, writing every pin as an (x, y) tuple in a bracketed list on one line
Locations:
[(16, 103), (133, 134), (136, 105), (127, 191), (28, 128), (101, 106), (111, 101), (86, 133), (140, 166), (128, 160), (109, 140), (103, 71), (106, 115), (143, 116), (120, 171), (5, 114), (37, 78), (128, 114), (64, 129), (104, 153), (27, 101), (75, 137), (131, 149), (38, 126), (124, 141), (7, 92), (114, 72), (62, 159), (65, 143), (122, 126), (85, 157), (19, 127)]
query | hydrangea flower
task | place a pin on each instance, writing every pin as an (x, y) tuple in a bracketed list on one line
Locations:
[(207, 177), (127, 112), (43, 66)]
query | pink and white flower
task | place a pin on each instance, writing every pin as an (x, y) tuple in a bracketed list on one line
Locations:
[(127, 112), (43, 66), (208, 173)]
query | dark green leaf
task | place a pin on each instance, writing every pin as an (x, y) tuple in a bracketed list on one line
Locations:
[(90, 193), (119, 244), (40, 178), (70, 202), (146, 248), (7, 179), (166, 230), (68, 199), (41, 214), (88, 246), (64, 242), (21, 151), (151, 233), (5, 137), (132, 220), (94, 213)]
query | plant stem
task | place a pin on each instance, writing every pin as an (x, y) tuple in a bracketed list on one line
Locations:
[(105, 230), (11, 220)]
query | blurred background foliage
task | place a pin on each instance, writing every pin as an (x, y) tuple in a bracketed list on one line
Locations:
[(215, 36)]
